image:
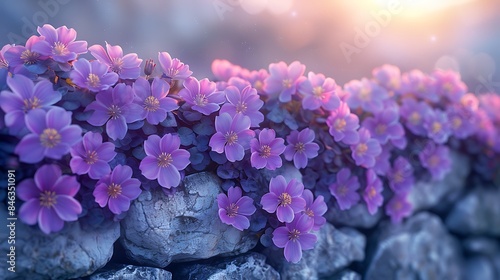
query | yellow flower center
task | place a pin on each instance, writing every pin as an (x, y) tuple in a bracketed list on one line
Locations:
[(285, 199), (232, 210), (201, 100), (287, 83), (114, 112), (31, 103), (365, 94), (415, 118), (457, 122), (361, 148), (114, 190), (165, 160), (151, 104), (265, 151), (299, 147), (293, 235), (372, 193), (231, 138), (258, 85), (60, 49), (309, 212), (241, 107), (91, 157), (116, 64), (436, 127), (318, 92), (50, 138), (48, 199), (29, 57), (93, 80), (381, 129), (340, 124)]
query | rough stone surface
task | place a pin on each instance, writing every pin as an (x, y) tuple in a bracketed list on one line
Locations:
[(250, 266), (70, 253), (345, 275), (130, 272), (479, 268), (421, 248), (477, 213), (427, 194), (357, 216), (334, 250), (185, 226), (481, 245)]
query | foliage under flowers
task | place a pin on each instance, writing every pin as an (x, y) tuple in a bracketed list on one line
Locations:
[(114, 133)]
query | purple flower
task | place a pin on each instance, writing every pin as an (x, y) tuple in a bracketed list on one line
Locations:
[(92, 156), (93, 75), (284, 198), (246, 102), (417, 83), (366, 94), (223, 70), (448, 84), (126, 66), (201, 95), (345, 189), (153, 99), (295, 237), (283, 79), (437, 126), (385, 125), (173, 68), (51, 135), (266, 150), (318, 91), (388, 76), (414, 114), (382, 161), (164, 160), (49, 199), (301, 147), (315, 209), (24, 55), (232, 137), (115, 108), (343, 125), (4, 63), (24, 97), (373, 192), (436, 159), (401, 176), (59, 43), (234, 209), (366, 150), (257, 79), (117, 189), (463, 121), (398, 208)]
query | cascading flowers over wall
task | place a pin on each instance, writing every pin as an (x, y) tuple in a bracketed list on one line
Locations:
[(90, 134)]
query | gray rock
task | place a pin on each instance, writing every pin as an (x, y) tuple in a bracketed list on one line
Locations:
[(70, 253), (185, 226), (477, 213), (479, 268), (427, 194), (345, 275), (250, 266), (357, 216), (334, 250), (131, 272), (496, 264), (421, 248), (481, 245)]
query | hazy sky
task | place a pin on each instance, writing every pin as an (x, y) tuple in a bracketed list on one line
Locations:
[(344, 39)]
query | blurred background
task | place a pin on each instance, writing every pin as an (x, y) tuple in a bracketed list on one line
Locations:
[(343, 39)]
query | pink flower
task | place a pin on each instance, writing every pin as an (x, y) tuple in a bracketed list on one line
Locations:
[(234, 209), (284, 198), (318, 91), (49, 199), (295, 237), (283, 79)]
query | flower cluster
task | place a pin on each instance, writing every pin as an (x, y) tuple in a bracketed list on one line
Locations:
[(93, 134)]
